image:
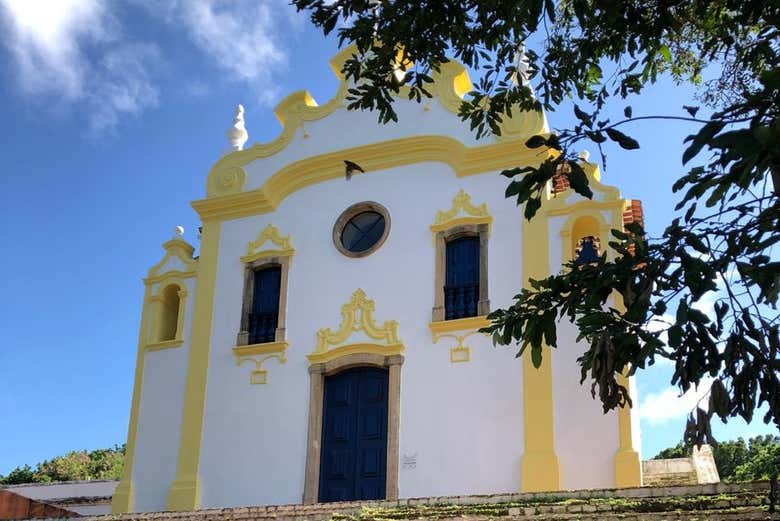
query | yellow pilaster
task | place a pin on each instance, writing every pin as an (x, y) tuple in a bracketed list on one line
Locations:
[(628, 468), (122, 500), (539, 467), (184, 493)]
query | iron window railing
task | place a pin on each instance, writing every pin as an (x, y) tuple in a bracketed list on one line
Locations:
[(262, 327), (460, 301)]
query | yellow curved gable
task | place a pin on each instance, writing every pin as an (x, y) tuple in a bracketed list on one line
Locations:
[(451, 84)]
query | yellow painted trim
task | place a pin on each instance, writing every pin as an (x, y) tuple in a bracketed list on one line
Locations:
[(539, 468), (258, 354), (122, 499), (462, 212), (357, 315), (461, 352), (167, 344), (461, 203), (627, 464), (460, 221), (174, 275), (174, 248), (449, 86), (283, 245), (184, 493), (628, 467), (374, 157), (321, 357), (605, 194), (246, 259), (587, 205), (460, 324), (167, 279), (260, 349)]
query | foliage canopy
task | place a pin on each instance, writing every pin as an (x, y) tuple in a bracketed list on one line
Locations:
[(74, 466), (599, 52), (737, 460)]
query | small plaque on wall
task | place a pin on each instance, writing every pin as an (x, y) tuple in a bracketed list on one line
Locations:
[(409, 461)]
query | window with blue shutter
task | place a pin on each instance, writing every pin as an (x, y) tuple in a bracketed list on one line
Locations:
[(264, 317), (461, 287)]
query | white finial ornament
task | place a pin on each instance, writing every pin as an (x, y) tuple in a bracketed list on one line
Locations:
[(583, 156), (237, 134), (522, 74), (178, 232)]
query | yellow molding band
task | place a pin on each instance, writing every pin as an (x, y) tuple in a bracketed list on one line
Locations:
[(246, 259), (298, 175), (460, 324), (174, 275), (321, 357), (460, 221), (539, 466), (260, 349), (166, 344), (184, 493), (122, 500)]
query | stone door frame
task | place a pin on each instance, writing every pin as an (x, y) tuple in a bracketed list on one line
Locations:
[(317, 374)]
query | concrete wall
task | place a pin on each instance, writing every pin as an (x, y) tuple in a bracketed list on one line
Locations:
[(700, 468)]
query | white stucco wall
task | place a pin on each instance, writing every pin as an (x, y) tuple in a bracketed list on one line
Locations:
[(159, 422), (463, 421)]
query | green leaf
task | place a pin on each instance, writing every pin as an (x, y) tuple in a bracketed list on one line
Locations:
[(536, 141), (583, 116), (579, 181), (621, 139), (666, 53), (531, 207), (700, 139), (536, 355)]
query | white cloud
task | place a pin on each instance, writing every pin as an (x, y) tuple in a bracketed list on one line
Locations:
[(125, 86), (242, 37), (668, 405), (77, 53), (44, 41), (72, 51)]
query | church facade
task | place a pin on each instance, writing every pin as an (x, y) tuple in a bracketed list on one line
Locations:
[(324, 344)]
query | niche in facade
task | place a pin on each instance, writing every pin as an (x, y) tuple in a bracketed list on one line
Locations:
[(168, 314)]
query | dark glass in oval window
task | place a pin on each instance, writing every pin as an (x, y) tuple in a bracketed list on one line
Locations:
[(363, 231)]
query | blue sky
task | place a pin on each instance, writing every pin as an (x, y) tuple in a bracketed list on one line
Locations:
[(111, 113)]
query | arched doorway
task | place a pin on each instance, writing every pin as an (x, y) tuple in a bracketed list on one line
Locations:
[(353, 464)]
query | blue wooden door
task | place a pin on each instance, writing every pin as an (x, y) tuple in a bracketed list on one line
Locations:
[(354, 435)]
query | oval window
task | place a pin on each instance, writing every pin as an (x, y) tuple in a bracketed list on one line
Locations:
[(361, 229)]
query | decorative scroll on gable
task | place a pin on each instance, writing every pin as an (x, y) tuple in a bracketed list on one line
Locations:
[(269, 243), (358, 333), (462, 212)]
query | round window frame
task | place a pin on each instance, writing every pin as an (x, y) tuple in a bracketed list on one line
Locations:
[(349, 213)]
